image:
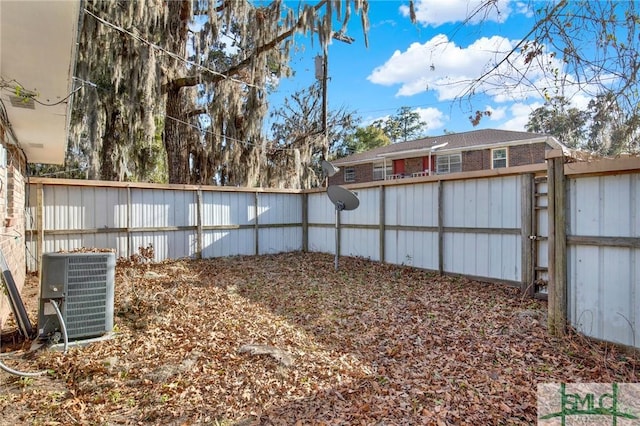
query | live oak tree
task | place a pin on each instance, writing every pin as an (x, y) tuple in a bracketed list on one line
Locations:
[(202, 67), (292, 156)]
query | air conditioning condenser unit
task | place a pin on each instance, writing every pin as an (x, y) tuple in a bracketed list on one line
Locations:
[(82, 286)]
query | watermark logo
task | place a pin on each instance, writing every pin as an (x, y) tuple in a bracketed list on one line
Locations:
[(589, 404)]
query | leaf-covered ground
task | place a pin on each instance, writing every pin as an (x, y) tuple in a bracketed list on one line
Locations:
[(371, 344)]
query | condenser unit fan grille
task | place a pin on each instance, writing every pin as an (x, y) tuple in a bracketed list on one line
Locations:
[(85, 303), (83, 286)]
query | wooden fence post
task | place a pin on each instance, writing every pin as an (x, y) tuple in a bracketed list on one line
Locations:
[(440, 227), (39, 226), (383, 219), (128, 225), (199, 223), (305, 222), (256, 224), (527, 216), (557, 304)]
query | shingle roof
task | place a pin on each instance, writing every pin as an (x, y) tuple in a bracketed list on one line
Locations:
[(454, 141)]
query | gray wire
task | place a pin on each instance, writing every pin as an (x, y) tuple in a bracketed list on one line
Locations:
[(62, 324)]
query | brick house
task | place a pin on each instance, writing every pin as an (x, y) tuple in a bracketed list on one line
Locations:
[(458, 152), (37, 58)]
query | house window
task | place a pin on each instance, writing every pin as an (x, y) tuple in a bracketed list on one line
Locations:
[(349, 174), (451, 163), (498, 158), (380, 171)]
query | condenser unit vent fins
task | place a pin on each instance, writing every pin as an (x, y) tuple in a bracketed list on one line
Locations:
[(85, 284)]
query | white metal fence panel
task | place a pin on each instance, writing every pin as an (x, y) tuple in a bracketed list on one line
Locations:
[(483, 203), (78, 217), (604, 276), (228, 208), (481, 219), (360, 242), (418, 249), (412, 205), (228, 243), (603, 292), (279, 209), (279, 240), (605, 206), (321, 217), (495, 256), (161, 217), (228, 223), (166, 244), (368, 211), (360, 233), (411, 219), (321, 210)]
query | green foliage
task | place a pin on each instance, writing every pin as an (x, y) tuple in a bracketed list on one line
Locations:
[(403, 126), (364, 139), (558, 118), (611, 130), (604, 128)]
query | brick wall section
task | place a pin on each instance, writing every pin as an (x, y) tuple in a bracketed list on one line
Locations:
[(364, 173), (518, 155), (476, 160), (12, 222), (413, 165), (527, 154)]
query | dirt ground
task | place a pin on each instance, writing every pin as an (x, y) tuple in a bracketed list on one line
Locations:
[(286, 340)]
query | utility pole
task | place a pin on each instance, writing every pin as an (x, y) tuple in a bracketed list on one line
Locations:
[(322, 75), (322, 63)]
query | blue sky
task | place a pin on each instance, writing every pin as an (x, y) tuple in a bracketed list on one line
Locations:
[(424, 65)]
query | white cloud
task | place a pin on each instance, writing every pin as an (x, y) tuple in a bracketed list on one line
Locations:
[(432, 116), (520, 116), (524, 9), (497, 114), (448, 70), (385, 22), (438, 12)]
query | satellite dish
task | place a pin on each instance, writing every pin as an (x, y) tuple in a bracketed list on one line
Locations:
[(342, 198), (329, 169)]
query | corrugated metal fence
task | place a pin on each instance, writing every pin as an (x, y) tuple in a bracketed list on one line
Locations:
[(489, 225), (178, 221), (601, 256)]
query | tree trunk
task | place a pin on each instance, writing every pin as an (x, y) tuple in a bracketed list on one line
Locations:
[(176, 134), (176, 137), (110, 141)]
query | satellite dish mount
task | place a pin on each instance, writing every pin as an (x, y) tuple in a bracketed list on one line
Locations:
[(342, 199), (329, 169)]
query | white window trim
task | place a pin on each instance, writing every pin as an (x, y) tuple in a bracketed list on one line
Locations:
[(386, 169), (441, 156), (506, 157), (349, 174)]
